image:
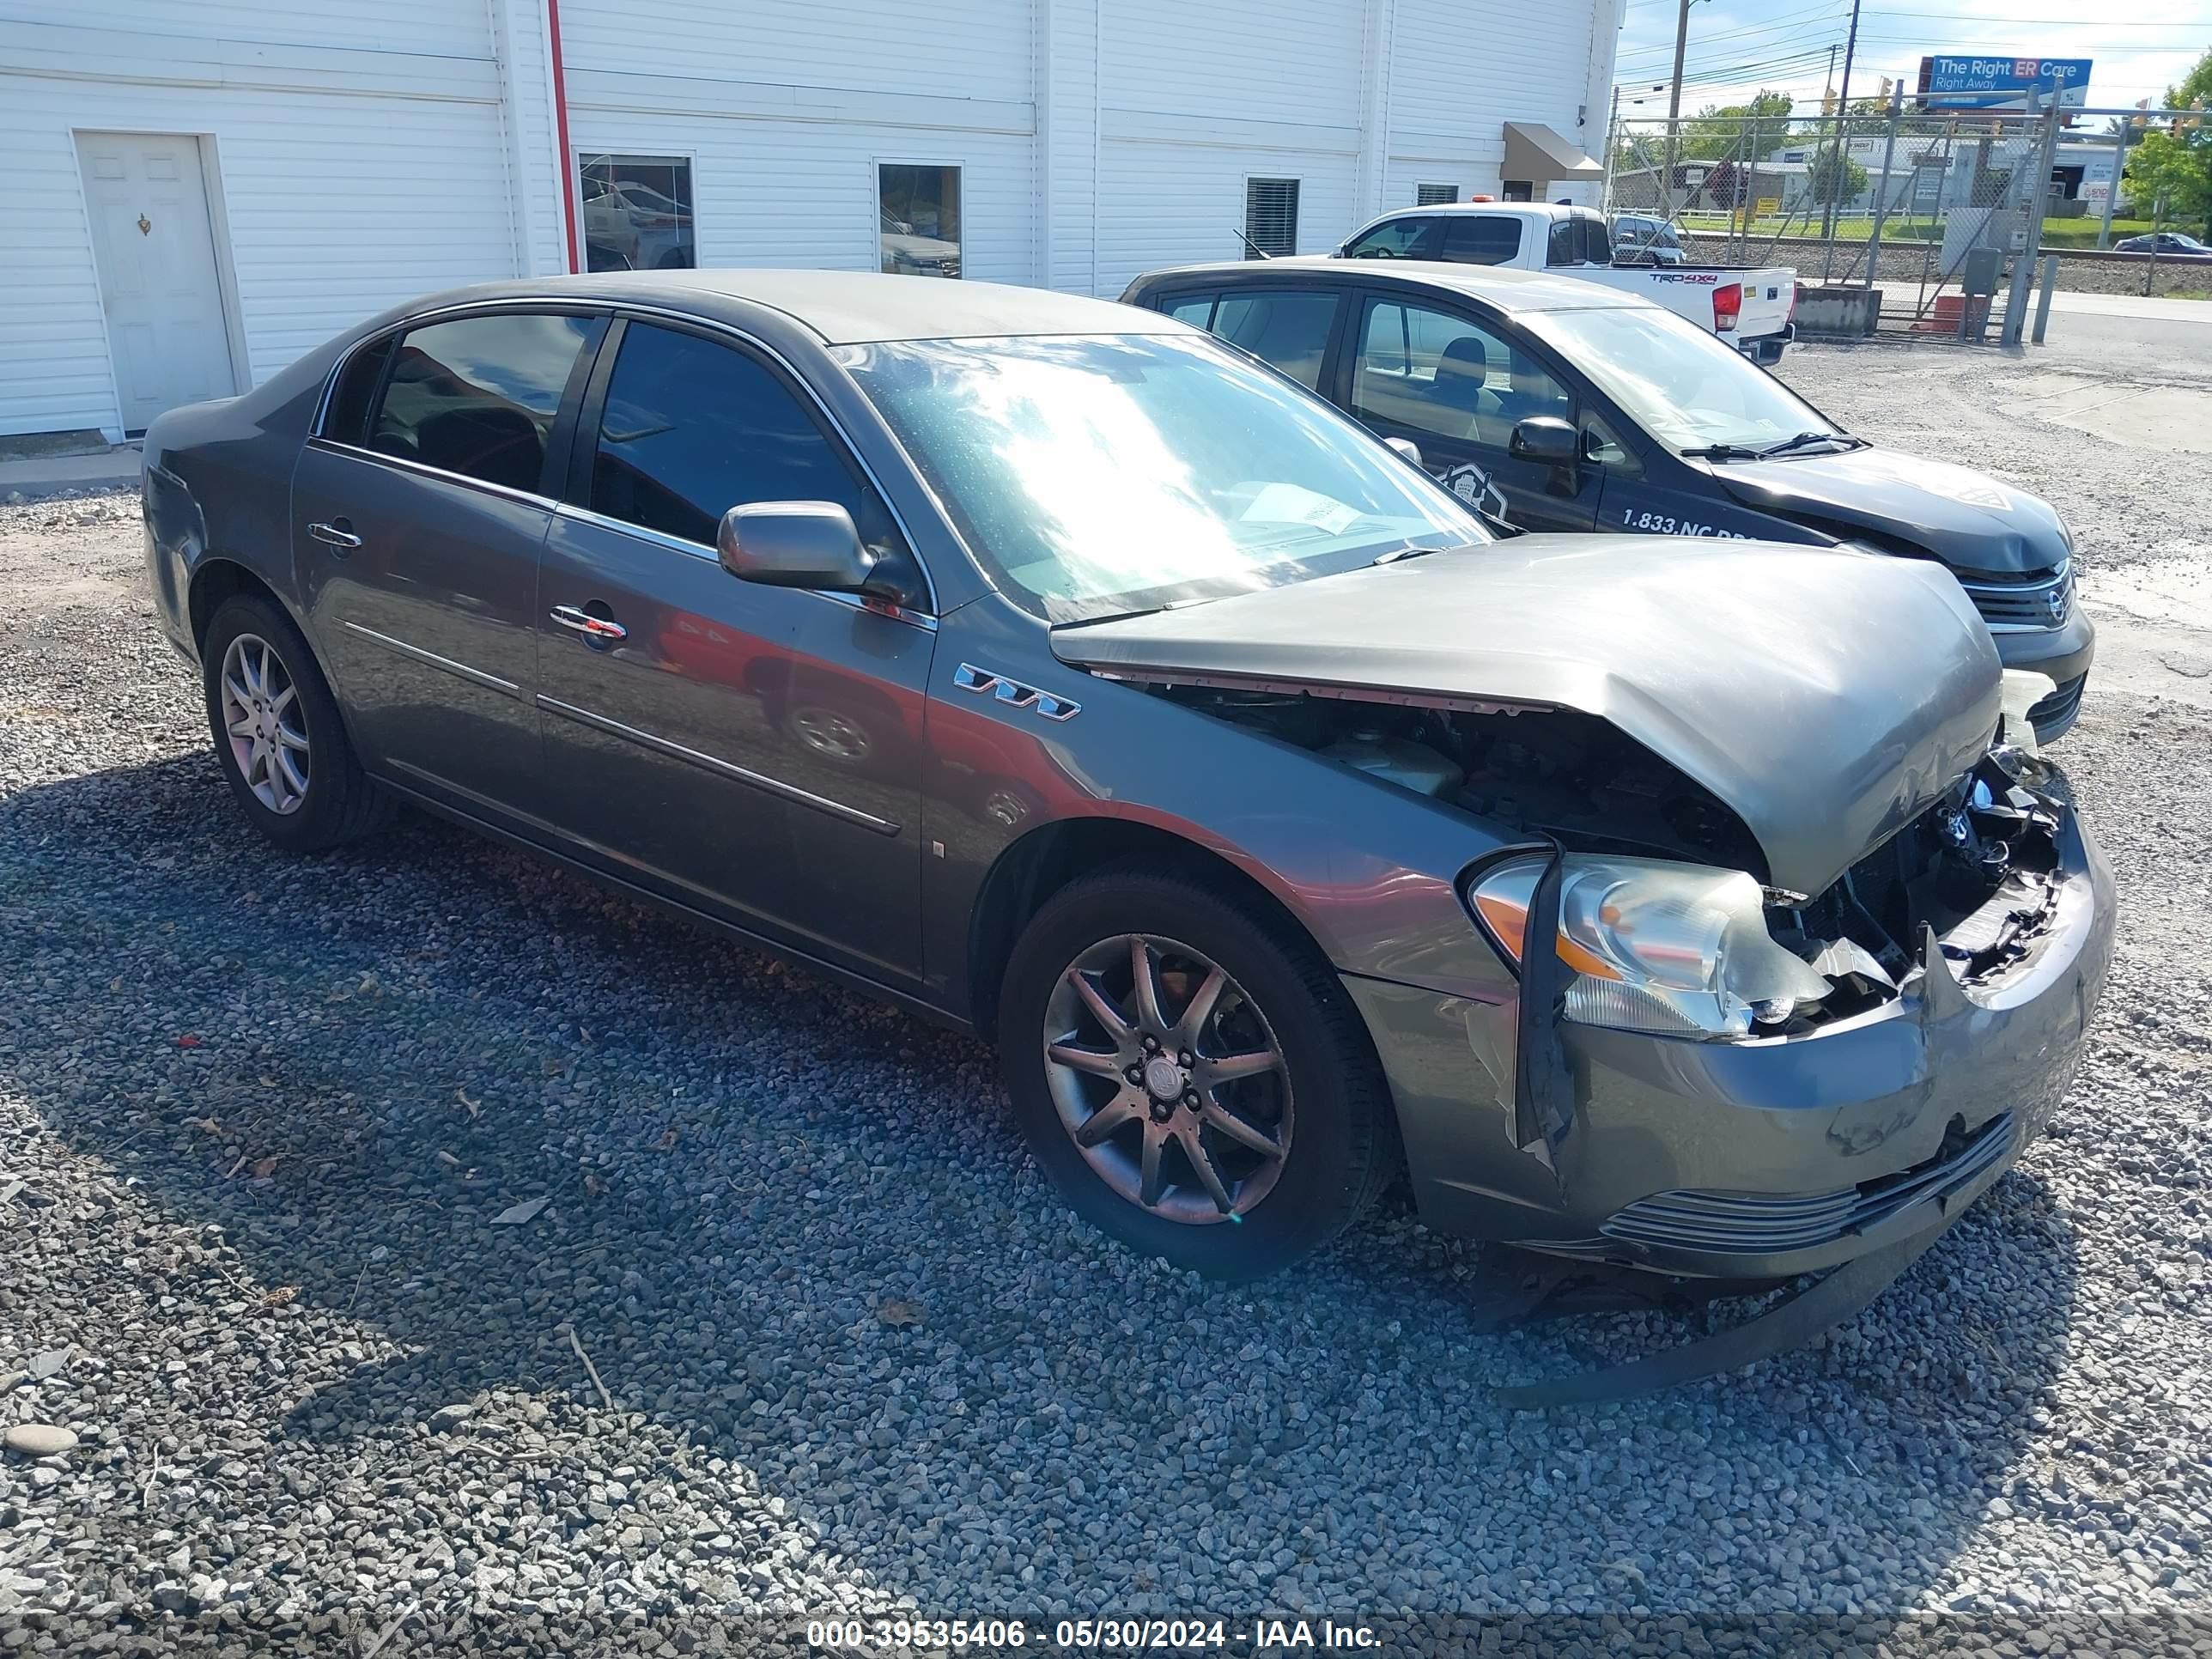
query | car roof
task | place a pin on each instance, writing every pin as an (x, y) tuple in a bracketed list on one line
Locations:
[(1476, 207), (1503, 289), (841, 307)]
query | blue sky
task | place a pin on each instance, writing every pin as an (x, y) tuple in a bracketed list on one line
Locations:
[(1737, 46)]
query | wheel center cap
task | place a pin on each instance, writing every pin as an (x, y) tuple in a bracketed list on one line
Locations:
[(1163, 1077)]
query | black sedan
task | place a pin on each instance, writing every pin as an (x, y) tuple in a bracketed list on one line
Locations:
[(1557, 405)]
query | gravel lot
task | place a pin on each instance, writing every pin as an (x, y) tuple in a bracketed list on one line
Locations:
[(263, 1124)]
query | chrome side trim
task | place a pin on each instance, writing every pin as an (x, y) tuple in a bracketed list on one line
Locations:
[(416, 654), (693, 550), (721, 768), (400, 463)]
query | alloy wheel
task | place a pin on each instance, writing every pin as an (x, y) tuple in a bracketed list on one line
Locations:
[(261, 721), (1169, 1079)]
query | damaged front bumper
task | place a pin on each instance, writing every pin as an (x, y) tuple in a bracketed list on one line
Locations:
[(1756, 1159)]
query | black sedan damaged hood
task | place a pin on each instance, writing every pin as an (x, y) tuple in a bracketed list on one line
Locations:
[(1970, 521), (1827, 696)]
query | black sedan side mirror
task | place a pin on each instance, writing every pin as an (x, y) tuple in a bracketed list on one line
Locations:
[(810, 545), (1548, 439)]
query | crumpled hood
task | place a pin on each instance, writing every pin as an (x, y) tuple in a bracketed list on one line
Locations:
[(1828, 696), (1966, 519)]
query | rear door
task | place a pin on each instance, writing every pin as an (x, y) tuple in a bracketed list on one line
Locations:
[(417, 513), (752, 751), (1456, 386)]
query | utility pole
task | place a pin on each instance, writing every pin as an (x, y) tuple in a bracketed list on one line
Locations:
[(1828, 85), (1674, 110), (1843, 121)]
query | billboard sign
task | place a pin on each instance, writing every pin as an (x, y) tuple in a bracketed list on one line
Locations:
[(2001, 81)]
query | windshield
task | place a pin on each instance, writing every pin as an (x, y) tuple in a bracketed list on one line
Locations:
[(1679, 383), (1096, 475)]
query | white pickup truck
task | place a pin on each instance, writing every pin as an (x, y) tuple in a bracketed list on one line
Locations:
[(1750, 307)]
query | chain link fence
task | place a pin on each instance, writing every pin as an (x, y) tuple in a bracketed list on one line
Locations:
[(1927, 214)]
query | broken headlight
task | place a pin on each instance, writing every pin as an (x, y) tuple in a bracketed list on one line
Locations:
[(1652, 945)]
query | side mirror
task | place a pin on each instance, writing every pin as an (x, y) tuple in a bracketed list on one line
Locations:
[(1546, 438), (1406, 447), (809, 545)]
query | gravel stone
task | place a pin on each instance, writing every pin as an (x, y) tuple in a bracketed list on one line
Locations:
[(39, 1440), (745, 1164)]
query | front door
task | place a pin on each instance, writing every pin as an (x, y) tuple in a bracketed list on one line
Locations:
[(417, 515), (753, 752), (1456, 388), (153, 244)]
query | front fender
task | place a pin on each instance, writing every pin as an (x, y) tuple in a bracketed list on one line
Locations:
[(1369, 870)]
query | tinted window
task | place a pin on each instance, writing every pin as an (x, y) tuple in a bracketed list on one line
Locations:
[(1431, 372), (1290, 330), (347, 418), (477, 396), (692, 430), (1481, 239), (1198, 312), (1413, 237)]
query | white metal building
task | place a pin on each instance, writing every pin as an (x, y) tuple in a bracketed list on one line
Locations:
[(199, 192)]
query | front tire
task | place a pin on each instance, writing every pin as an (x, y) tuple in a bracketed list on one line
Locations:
[(1187, 1068), (278, 737)]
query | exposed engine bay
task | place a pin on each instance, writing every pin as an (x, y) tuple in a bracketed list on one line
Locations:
[(1980, 866)]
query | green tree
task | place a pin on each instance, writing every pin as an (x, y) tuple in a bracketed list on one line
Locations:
[(1834, 179), (1745, 132), (2172, 172)]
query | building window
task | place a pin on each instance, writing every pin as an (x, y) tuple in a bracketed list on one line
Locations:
[(1519, 190), (1435, 195), (918, 210), (636, 212), (1271, 218)]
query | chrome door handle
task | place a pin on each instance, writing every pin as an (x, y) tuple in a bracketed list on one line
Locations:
[(331, 536), (591, 627)]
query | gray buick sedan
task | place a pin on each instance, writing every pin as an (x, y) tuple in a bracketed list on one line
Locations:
[(1052, 671)]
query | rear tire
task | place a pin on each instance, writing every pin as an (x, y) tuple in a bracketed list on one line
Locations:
[(278, 737), (1091, 1092)]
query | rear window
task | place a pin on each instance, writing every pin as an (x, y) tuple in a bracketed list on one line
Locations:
[(1290, 330), (476, 396), (1578, 240), (346, 420), (1481, 239)]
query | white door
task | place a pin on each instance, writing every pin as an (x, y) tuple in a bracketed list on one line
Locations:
[(154, 246)]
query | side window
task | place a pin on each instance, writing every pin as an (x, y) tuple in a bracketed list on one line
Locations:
[(1481, 239), (1290, 330), (692, 429), (346, 420), (1565, 244), (1601, 446), (1431, 372), (477, 396), (1411, 237), (1597, 247), (1195, 309)]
